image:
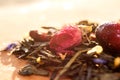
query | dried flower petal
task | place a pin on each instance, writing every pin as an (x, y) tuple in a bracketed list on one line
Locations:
[(117, 62), (38, 60), (10, 47), (62, 56), (92, 37), (66, 38), (99, 61), (97, 49), (87, 29)]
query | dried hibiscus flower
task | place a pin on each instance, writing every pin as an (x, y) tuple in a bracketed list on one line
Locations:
[(65, 39)]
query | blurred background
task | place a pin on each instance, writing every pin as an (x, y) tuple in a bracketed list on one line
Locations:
[(17, 17)]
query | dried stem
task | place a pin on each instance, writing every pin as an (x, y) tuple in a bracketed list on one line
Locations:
[(89, 73), (37, 49), (69, 64)]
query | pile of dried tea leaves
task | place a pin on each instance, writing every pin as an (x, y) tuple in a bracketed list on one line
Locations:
[(90, 61)]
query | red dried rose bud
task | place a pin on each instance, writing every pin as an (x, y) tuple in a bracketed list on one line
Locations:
[(39, 37), (66, 38)]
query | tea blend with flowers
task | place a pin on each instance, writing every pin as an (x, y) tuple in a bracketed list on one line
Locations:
[(78, 52)]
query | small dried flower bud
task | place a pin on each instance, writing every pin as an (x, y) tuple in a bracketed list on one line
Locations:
[(117, 62), (97, 49)]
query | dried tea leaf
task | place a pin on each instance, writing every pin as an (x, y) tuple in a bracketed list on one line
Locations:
[(30, 69)]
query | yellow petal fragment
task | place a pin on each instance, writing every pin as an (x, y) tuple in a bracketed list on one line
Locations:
[(117, 62), (97, 49), (62, 56), (38, 60), (86, 28)]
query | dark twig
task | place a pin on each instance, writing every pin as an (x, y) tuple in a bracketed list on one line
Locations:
[(88, 77), (69, 64)]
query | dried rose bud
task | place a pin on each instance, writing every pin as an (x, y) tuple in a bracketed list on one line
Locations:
[(39, 37), (66, 38)]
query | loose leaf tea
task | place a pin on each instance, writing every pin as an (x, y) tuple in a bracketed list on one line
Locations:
[(71, 52)]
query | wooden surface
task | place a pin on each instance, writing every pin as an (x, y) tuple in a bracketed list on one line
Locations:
[(18, 17), (10, 65)]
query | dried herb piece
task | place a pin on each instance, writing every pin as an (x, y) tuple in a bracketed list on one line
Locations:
[(30, 69), (69, 64)]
